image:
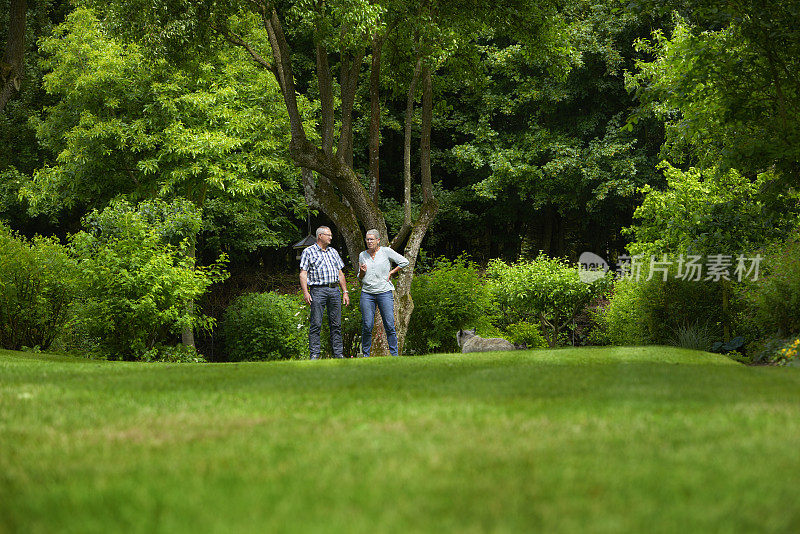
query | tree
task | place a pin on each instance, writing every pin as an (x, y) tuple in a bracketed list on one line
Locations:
[(725, 80), (327, 38), (710, 214), (541, 142), (137, 278), (20, 153), (123, 125)]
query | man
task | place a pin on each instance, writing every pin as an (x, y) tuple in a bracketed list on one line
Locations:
[(321, 277)]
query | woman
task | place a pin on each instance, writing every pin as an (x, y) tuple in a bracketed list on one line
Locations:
[(375, 272)]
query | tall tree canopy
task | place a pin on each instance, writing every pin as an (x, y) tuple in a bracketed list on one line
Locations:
[(321, 50), (128, 125), (540, 158), (726, 82)]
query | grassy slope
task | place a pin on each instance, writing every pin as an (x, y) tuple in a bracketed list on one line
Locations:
[(603, 440)]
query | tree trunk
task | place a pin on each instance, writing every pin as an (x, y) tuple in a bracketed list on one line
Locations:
[(187, 336), (531, 239), (375, 119), (404, 304), (380, 345), (407, 144), (11, 67), (726, 322)]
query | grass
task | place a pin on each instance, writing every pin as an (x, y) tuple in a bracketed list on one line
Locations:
[(651, 439)]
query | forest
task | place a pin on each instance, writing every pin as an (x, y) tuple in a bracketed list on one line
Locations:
[(159, 160)]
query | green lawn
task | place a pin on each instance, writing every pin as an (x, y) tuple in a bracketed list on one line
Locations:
[(637, 440)]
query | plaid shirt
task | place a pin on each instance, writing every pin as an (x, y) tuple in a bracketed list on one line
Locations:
[(323, 266)]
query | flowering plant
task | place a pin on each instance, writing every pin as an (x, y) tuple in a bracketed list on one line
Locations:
[(789, 354)]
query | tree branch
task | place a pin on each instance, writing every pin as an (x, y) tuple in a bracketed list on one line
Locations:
[(425, 135), (322, 195), (407, 144), (351, 68), (325, 82), (237, 40), (375, 118), (283, 72), (306, 155)]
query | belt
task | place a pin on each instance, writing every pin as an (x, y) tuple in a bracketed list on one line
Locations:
[(334, 284)]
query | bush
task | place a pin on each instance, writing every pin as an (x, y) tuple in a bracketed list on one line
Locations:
[(789, 354), (773, 300), (696, 336), (173, 354), (547, 291), (265, 326), (525, 333), (624, 319), (138, 291), (652, 311), (450, 297), (38, 281)]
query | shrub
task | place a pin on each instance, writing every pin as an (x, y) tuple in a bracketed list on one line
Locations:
[(652, 311), (589, 328), (138, 291), (697, 336), (265, 326), (450, 297), (38, 281), (624, 319), (789, 354), (547, 291), (766, 350), (527, 333), (173, 354), (774, 299)]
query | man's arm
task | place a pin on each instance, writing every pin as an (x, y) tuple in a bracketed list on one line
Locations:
[(343, 285), (304, 285)]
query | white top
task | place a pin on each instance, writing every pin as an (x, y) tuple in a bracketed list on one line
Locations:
[(376, 280)]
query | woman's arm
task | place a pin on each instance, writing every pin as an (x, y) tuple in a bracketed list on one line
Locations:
[(399, 259), (362, 267)]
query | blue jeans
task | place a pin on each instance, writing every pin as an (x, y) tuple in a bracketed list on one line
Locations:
[(322, 297), (385, 302)]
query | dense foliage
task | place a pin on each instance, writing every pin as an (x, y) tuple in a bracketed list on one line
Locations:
[(137, 289), (769, 305), (547, 291), (452, 296), (502, 130), (642, 311), (127, 124), (694, 242), (707, 212), (265, 326), (724, 80), (38, 280)]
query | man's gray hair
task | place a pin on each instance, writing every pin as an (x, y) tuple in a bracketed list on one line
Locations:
[(375, 233), (321, 229)]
